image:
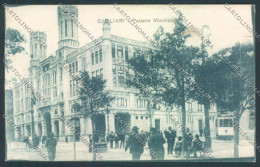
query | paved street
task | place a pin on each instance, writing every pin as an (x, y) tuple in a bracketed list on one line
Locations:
[(18, 151)]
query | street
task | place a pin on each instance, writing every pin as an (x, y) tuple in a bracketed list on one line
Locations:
[(220, 149)]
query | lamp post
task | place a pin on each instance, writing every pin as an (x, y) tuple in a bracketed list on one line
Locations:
[(108, 111)]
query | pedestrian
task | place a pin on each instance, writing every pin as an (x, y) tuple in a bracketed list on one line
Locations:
[(201, 131), (26, 140), (96, 137), (30, 141), (122, 139), (116, 138), (197, 145), (66, 139), (170, 136), (134, 142), (35, 140), (51, 144), (44, 138), (90, 143), (187, 141), (178, 147), (155, 144), (111, 139)]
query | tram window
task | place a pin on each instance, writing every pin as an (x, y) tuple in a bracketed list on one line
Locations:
[(225, 123)]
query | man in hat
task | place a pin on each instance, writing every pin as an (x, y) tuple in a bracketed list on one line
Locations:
[(170, 139), (51, 146), (155, 144), (135, 143)]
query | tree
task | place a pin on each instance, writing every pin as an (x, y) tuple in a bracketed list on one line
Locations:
[(144, 77), (177, 65), (13, 43), (233, 89), (203, 78), (93, 96)]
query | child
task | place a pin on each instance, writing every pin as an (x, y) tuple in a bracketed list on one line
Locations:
[(178, 147)]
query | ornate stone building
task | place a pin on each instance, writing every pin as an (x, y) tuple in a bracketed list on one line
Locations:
[(56, 85)]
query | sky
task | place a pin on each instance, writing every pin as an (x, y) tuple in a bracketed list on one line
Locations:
[(225, 30)]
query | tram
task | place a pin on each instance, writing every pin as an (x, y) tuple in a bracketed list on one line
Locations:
[(224, 127)]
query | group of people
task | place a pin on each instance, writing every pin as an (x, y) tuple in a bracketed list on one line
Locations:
[(135, 141), (48, 142), (156, 141), (32, 141), (116, 138)]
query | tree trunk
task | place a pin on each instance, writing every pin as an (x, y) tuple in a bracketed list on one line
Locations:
[(236, 131), (207, 127), (93, 143), (183, 117), (150, 113)]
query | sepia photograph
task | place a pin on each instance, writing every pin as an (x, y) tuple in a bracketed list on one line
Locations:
[(118, 82)]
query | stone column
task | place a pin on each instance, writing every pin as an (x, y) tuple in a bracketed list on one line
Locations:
[(82, 126), (53, 128), (36, 128), (44, 128), (106, 123), (88, 126), (111, 122), (61, 128)]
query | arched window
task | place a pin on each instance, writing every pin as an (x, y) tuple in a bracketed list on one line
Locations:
[(66, 28), (251, 120)]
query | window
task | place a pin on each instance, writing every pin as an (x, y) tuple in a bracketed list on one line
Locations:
[(84, 63), (114, 69), (251, 121), (74, 87), (199, 107), (113, 51), (70, 69), (96, 57), (61, 29), (189, 106), (60, 73), (54, 77), (146, 117), (142, 117), (72, 28), (41, 50), (55, 91), (114, 81), (100, 55), (73, 68), (92, 58), (125, 102), (93, 74), (97, 73), (126, 53), (136, 117), (70, 88), (120, 52), (121, 80), (66, 33), (101, 73), (35, 50), (76, 66), (59, 54)]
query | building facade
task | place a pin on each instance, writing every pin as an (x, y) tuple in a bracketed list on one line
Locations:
[(55, 83)]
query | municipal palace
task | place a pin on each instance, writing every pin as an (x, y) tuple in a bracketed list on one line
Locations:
[(98, 58)]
